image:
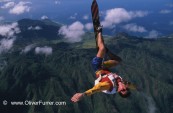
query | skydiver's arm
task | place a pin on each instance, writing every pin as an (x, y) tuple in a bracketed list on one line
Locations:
[(97, 88)]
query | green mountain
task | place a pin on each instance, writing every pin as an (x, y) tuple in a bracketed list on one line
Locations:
[(30, 77)]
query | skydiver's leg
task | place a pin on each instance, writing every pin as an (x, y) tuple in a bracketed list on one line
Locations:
[(98, 60), (101, 46), (114, 60), (112, 56), (102, 49)]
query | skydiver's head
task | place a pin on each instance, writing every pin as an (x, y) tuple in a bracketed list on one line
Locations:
[(125, 93), (123, 90)]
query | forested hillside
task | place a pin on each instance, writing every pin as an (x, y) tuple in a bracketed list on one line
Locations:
[(57, 76)]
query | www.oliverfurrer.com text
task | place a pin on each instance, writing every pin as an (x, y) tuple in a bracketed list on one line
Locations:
[(30, 103)]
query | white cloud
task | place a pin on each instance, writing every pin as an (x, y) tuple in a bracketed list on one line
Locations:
[(34, 28), (1, 18), (9, 30), (20, 8), (8, 5), (72, 32), (85, 17), (89, 26), (171, 23), (6, 44), (119, 15), (38, 28), (28, 48), (165, 11), (30, 28), (151, 105), (74, 16), (43, 50), (4, 1), (135, 14), (153, 34), (170, 4), (134, 28), (57, 2), (44, 17), (115, 16)]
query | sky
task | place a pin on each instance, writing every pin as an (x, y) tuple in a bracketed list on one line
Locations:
[(147, 18)]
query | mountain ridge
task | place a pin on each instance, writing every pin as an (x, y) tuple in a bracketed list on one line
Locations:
[(56, 77)]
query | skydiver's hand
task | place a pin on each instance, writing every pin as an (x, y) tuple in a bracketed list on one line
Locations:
[(76, 97)]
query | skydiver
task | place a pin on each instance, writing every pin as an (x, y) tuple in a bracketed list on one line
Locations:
[(106, 81)]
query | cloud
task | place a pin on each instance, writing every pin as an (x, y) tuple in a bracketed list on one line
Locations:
[(74, 16), (34, 28), (85, 17), (170, 5), (171, 23), (72, 32), (44, 17), (57, 2), (6, 44), (153, 34), (37, 28), (4, 1), (119, 15), (165, 11), (8, 5), (43, 50), (28, 48), (89, 26), (9, 30), (20, 8), (135, 14), (151, 105), (1, 18), (134, 28)]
